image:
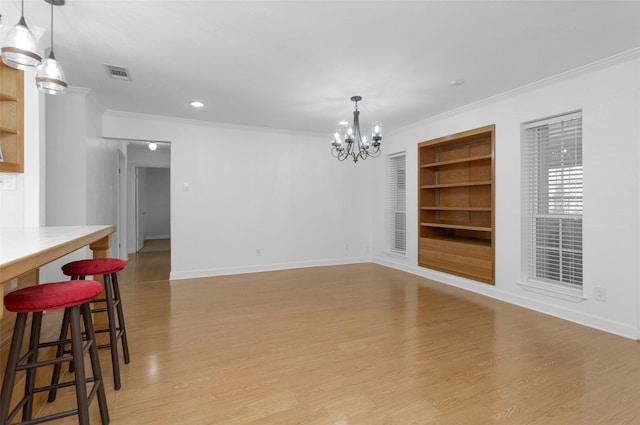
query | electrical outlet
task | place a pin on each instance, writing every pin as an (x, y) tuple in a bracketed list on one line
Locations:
[(601, 294)]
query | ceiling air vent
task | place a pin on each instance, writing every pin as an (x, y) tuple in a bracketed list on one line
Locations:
[(118, 72)]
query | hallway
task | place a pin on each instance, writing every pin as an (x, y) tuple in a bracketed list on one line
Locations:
[(151, 264)]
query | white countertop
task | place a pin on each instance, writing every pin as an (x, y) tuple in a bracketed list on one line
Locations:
[(27, 248), (19, 242)]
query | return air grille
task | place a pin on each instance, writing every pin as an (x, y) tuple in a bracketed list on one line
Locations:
[(118, 72)]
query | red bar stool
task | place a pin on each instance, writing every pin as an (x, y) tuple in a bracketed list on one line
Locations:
[(36, 299), (108, 268)]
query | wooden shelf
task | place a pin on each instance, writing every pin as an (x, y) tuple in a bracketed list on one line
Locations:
[(8, 130), (456, 204), (461, 184), (459, 226), (11, 119), (4, 96), (461, 240), (432, 208), (456, 161)]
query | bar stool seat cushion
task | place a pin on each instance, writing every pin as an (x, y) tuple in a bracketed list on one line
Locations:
[(94, 266), (52, 296)]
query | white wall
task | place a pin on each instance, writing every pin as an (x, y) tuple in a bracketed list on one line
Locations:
[(158, 203), (606, 93), (81, 170), (25, 205), (66, 195), (102, 171), (255, 189)]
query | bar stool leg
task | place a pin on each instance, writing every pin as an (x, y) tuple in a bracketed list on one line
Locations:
[(123, 330), (30, 381), (95, 364), (78, 362), (113, 335), (12, 361), (55, 377)]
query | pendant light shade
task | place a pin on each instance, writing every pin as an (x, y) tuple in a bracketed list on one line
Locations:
[(19, 49), (50, 77)]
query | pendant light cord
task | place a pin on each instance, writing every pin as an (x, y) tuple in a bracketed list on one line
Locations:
[(51, 26)]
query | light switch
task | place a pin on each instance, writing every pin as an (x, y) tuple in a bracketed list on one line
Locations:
[(7, 181)]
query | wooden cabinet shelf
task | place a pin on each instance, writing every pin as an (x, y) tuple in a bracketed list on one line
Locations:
[(454, 225), (11, 119), (461, 184), (456, 161), (434, 208), (456, 204), (11, 130), (465, 241), (5, 96)]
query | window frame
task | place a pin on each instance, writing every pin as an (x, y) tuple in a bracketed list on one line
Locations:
[(552, 203), (396, 203)]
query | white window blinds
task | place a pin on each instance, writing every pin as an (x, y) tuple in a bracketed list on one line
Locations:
[(396, 203), (552, 199)]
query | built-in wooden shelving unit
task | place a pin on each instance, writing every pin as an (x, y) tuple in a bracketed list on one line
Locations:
[(11, 119), (456, 202)]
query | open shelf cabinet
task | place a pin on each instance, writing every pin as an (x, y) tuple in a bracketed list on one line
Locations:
[(11, 119), (456, 216)]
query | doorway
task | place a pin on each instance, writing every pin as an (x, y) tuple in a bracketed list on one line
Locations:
[(148, 205), (153, 207)]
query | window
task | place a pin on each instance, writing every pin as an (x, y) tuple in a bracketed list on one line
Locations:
[(396, 203), (552, 199)]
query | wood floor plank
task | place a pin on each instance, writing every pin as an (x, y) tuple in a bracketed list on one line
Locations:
[(356, 344)]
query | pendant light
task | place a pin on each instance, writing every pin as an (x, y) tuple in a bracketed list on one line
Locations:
[(19, 49), (50, 77)]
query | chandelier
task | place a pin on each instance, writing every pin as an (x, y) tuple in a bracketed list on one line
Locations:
[(344, 145)]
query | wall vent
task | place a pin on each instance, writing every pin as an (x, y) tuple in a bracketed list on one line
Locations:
[(118, 72)]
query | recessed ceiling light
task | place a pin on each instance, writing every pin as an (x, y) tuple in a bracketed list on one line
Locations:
[(343, 122), (456, 83), (197, 104)]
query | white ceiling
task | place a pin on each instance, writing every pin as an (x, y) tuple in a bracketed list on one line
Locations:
[(295, 64)]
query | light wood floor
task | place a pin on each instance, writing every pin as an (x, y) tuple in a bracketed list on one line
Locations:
[(359, 344)]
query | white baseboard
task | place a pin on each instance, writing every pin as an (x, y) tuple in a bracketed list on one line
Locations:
[(193, 274)]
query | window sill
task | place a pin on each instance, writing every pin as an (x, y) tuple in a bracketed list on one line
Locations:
[(395, 254), (555, 291)]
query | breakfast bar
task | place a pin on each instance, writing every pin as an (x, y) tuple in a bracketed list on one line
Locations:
[(26, 249)]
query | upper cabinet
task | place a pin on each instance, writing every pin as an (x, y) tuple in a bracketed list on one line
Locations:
[(11, 119), (456, 204)]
